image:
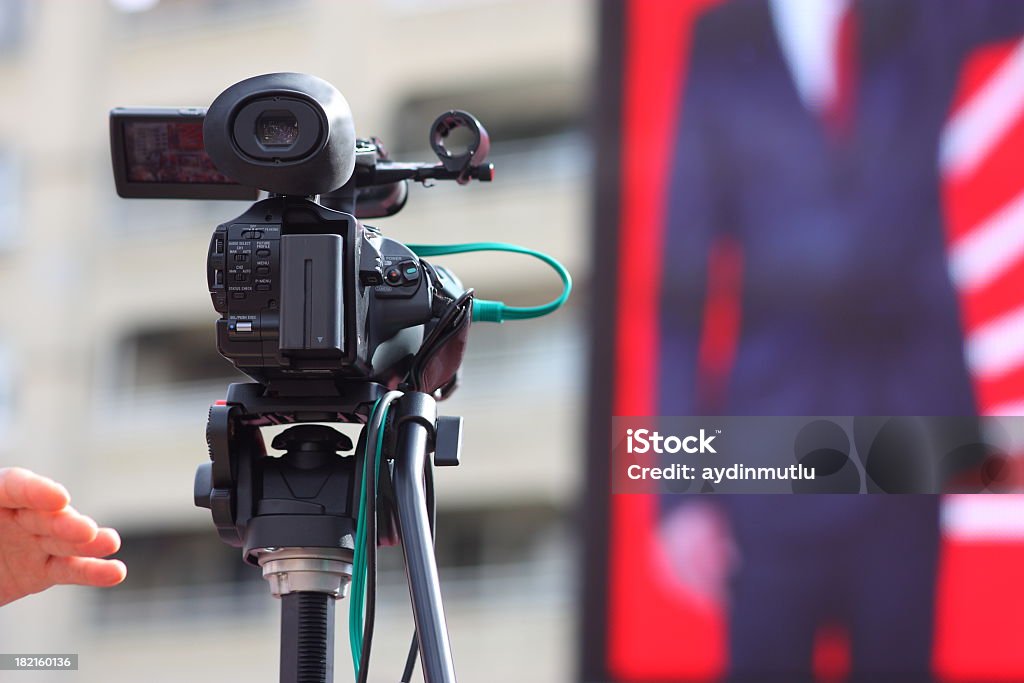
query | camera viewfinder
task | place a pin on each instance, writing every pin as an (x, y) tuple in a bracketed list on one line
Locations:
[(277, 129)]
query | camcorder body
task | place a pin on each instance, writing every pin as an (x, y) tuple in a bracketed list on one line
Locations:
[(304, 289)]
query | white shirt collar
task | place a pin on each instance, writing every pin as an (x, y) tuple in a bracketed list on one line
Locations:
[(808, 31)]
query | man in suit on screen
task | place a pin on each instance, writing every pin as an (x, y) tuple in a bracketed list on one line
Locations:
[(809, 137)]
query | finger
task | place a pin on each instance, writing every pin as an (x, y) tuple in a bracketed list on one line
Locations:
[(85, 571), (107, 542), (20, 488), (45, 494), (66, 525)]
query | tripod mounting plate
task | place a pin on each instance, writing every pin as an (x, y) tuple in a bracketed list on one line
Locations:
[(313, 570)]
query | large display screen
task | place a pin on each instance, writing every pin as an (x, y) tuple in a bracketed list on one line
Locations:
[(939, 155)]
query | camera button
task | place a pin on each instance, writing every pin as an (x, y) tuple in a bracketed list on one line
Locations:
[(263, 287), (237, 295), (410, 271), (393, 276), (262, 253), (263, 270), (252, 235)]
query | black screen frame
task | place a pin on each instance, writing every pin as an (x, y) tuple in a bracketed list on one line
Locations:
[(594, 511), (120, 117)]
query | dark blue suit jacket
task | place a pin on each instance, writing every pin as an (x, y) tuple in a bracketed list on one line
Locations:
[(847, 306)]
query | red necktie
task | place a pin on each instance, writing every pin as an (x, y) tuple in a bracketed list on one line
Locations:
[(839, 113)]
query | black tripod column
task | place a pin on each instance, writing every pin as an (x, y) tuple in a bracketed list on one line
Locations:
[(307, 637), (415, 422), (308, 580)]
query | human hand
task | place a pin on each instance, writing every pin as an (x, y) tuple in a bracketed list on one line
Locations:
[(45, 542), (698, 544)]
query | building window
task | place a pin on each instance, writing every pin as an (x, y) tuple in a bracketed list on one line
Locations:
[(190, 574), (181, 575), (163, 16), (535, 124), (13, 25), (147, 218), (10, 198), (7, 384), (163, 358)]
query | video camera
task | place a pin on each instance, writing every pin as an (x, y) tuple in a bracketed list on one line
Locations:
[(336, 323), (304, 289)]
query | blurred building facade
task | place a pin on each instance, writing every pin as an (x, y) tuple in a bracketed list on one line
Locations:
[(107, 359)]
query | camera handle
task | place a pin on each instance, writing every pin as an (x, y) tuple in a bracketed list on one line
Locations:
[(293, 546)]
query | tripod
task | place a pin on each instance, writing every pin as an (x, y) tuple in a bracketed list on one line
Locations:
[(295, 516)]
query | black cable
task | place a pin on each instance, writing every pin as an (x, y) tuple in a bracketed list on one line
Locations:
[(440, 329), (410, 660), (370, 491), (371, 558), (428, 481)]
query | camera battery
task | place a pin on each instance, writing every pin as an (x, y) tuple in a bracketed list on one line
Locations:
[(312, 296)]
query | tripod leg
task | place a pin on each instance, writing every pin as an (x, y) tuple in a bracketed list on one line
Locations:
[(415, 420)]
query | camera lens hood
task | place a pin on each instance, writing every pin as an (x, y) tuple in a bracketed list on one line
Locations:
[(286, 133)]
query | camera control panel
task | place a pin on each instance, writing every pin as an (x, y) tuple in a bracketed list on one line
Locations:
[(244, 261)]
